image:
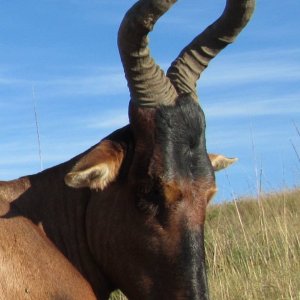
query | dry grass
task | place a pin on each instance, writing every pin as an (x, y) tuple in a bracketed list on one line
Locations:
[(253, 248), (258, 255)]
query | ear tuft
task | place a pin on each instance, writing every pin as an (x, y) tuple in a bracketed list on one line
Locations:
[(98, 168), (96, 178), (220, 162)]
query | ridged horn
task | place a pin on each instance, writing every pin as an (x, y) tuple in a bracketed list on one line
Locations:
[(187, 68), (148, 85)]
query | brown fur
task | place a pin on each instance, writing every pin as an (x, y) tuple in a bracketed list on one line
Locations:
[(132, 213), (98, 233), (172, 192), (10, 191), (52, 256), (31, 266)]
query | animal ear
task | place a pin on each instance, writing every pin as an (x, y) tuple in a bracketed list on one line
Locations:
[(98, 167), (220, 162)]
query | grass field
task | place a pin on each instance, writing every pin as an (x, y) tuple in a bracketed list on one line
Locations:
[(253, 248)]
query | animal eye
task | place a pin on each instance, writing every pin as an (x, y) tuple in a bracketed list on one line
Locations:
[(150, 201), (193, 143)]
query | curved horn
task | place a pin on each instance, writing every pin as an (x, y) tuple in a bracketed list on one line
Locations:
[(186, 69), (147, 83)]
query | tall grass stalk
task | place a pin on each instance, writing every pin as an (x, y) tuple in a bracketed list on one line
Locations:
[(293, 145), (37, 128), (258, 175)]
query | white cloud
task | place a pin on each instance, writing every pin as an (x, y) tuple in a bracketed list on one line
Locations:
[(253, 67), (99, 81), (106, 84), (7, 81), (109, 120), (248, 105)]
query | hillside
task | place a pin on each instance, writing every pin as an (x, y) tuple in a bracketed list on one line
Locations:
[(253, 248)]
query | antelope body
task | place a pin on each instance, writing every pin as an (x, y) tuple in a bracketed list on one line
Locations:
[(129, 212)]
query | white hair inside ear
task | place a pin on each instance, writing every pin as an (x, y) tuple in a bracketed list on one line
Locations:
[(220, 162), (97, 168)]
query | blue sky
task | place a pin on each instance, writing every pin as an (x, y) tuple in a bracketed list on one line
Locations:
[(61, 57)]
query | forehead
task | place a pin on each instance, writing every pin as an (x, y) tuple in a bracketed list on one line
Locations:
[(183, 122), (180, 134)]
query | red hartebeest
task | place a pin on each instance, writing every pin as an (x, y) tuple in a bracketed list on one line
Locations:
[(129, 212)]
